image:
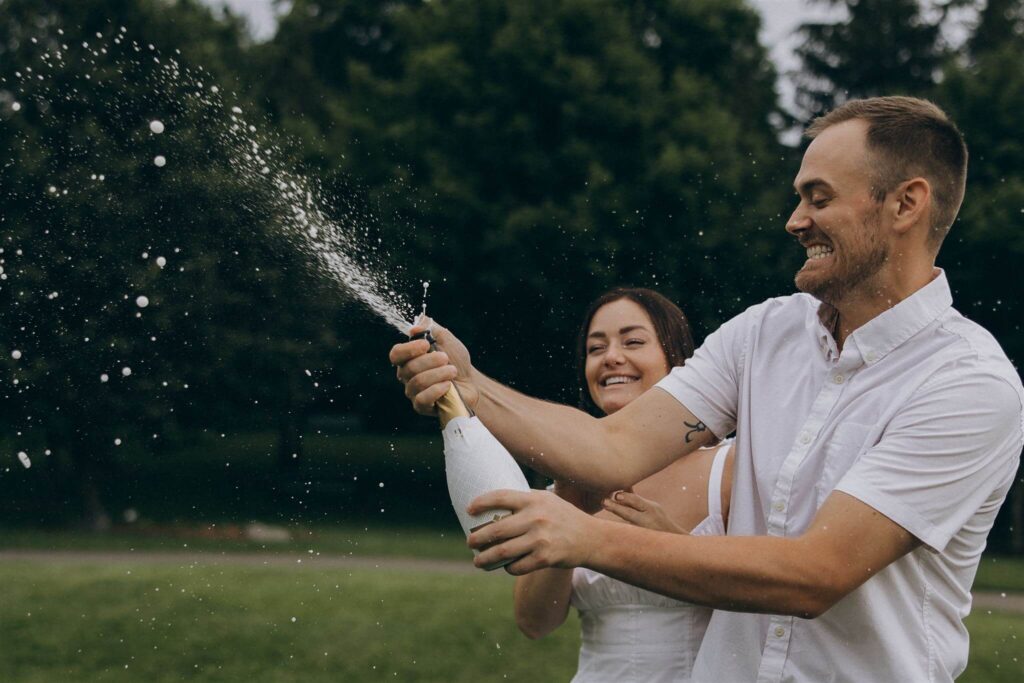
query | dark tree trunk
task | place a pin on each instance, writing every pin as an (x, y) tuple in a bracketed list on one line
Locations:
[(289, 443), (87, 469)]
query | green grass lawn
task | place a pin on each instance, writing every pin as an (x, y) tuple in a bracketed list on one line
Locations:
[(89, 622), (1000, 573), (86, 622), (996, 573), (345, 539)]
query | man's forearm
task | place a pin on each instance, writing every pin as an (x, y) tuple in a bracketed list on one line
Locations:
[(554, 439), (741, 573), (602, 454)]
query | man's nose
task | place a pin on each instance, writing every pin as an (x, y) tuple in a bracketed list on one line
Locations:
[(798, 221)]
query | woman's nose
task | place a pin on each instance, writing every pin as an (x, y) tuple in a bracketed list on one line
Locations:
[(614, 356)]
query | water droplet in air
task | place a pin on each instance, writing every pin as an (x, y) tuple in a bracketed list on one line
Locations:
[(160, 161), (142, 301), (16, 106), (126, 371), (156, 126), (161, 261), (15, 354), (104, 377), (23, 457)]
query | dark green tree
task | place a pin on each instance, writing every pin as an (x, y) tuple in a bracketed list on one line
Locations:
[(231, 319), (984, 94), (882, 47), (524, 156)]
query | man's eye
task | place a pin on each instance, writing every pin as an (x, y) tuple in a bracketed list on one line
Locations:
[(820, 202)]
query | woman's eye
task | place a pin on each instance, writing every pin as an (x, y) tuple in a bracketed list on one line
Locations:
[(635, 342), (595, 349)]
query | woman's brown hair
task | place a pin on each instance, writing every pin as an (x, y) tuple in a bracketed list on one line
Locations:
[(670, 326)]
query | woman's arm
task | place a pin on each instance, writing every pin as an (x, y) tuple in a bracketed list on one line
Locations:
[(542, 598), (542, 601)]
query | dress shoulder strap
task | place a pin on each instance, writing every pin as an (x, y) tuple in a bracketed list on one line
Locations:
[(715, 480)]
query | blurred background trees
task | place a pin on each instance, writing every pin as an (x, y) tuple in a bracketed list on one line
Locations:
[(520, 156)]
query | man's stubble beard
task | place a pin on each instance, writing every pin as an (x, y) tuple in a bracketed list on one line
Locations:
[(852, 276)]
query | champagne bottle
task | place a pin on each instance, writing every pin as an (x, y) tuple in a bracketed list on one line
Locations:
[(475, 462)]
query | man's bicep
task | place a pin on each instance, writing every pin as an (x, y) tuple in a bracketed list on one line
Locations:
[(656, 430), (853, 541)]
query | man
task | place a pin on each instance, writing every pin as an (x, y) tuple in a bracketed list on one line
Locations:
[(878, 433)]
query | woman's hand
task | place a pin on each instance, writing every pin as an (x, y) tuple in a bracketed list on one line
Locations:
[(640, 511)]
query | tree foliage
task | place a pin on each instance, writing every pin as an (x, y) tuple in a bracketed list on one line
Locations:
[(86, 215), (882, 47), (520, 156), (530, 154)]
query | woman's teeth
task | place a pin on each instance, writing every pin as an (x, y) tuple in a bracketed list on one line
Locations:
[(619, 380)]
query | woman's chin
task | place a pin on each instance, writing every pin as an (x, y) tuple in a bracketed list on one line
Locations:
[(612, 404)]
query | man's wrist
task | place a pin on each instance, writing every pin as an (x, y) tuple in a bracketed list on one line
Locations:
[(481, 384), (595, 543)]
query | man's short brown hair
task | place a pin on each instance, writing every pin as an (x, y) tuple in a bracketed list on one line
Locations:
[(910, 137)]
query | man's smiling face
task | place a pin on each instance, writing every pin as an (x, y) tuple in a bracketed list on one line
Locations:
[(838, 221)]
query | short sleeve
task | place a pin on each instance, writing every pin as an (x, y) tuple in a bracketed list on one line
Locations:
[(708, 384), (956, 442)]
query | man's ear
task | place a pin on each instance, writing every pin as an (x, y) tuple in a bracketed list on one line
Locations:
[(911, 202)]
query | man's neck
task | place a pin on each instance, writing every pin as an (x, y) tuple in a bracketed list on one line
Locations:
[(875, 297)]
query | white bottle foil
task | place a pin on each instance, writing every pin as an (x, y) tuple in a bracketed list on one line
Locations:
[(475, 463)]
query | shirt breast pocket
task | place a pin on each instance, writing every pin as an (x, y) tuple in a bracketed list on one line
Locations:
[(848, 441)]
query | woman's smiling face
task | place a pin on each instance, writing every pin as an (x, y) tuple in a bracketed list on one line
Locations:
[(624, 356)]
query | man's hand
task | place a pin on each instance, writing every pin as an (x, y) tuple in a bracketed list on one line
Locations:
[(543, 531), (640, 511), (427, 376)]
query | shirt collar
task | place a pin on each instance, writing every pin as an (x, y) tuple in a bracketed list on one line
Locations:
[(889, 329)]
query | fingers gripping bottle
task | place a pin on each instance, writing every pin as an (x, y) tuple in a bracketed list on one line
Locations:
[(475, 462)]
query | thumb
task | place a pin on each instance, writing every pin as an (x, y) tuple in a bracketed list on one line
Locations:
[(422, 324)]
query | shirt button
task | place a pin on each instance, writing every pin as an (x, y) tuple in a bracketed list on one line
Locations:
[(805, 438), (838, 379), (779, 631), (779, 506)]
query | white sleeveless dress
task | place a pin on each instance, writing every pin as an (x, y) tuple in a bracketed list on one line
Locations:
[(633, 635)]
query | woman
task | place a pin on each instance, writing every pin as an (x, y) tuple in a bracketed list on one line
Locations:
[(630, 338)]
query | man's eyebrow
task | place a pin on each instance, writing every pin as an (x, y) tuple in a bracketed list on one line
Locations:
[(808, 186)]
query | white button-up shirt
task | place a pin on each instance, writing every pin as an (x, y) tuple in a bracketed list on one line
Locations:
[(921, 417)]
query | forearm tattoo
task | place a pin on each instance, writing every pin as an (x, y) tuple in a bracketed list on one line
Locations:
[(694, 429)]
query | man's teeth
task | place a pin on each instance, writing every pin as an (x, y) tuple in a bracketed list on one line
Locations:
[(818, 251), (619, 380)]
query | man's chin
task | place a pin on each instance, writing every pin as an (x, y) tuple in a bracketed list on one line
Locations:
[(822, 289)]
